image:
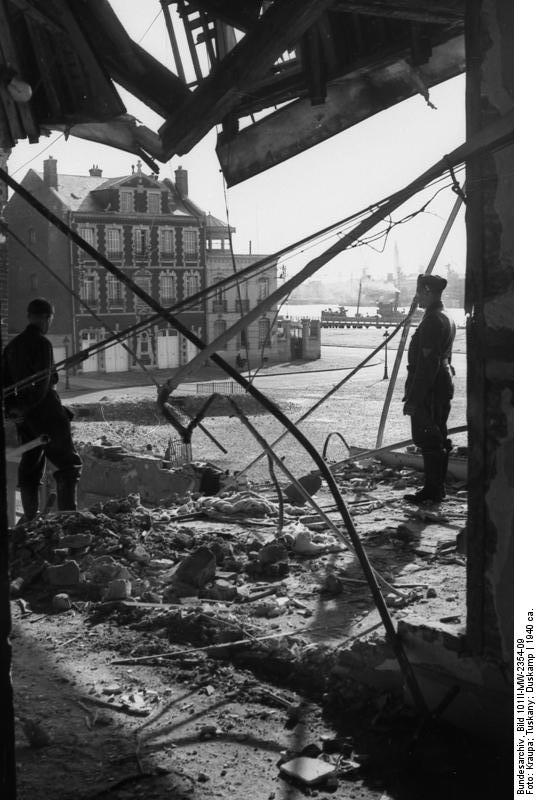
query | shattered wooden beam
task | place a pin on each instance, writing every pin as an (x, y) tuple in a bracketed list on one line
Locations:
[(21, 118), (122, 133), (127, 62), (279, 28), (433, 11), (299, 126), (234, 12)]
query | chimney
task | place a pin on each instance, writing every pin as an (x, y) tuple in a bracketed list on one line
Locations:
[(50, 173), (181, 181), (95, 172)]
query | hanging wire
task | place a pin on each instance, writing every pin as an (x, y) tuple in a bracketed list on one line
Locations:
[(149, 28), (49, 145), (64, 285), (263, 265)]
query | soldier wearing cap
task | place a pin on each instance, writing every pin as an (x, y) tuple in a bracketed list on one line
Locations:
[(429, 388), (36, 408)]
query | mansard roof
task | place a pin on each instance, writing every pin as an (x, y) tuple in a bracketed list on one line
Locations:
[(82, 193)]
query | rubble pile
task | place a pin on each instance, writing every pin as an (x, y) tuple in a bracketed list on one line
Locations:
[(121, 549)]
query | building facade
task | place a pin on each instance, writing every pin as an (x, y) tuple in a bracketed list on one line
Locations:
[(157, 236), (257, 343)]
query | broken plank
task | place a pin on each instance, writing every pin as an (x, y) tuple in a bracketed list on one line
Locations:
[(279, 28)]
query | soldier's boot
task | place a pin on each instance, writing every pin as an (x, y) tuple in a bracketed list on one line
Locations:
[(433, 490), (29, 496), (66, 486)]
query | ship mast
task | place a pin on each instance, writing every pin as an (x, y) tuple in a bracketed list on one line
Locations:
[(359, 298)]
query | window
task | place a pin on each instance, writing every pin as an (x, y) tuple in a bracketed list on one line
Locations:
[(89, 288), (32, 236), (34, 284), (220, 326), (219, 302), (113, 241), (192, 283), (141, 241), (88, 234), (190, 243), (168, 291), (264, 333), (126, 200), (115, 291), (263, 288), (144, 282), (167, 241), (153, 202)]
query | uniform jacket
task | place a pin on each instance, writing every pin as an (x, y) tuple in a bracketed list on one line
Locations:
[(27, 354), (429, 356)]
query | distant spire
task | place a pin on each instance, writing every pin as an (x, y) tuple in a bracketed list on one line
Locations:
[(397, 257)]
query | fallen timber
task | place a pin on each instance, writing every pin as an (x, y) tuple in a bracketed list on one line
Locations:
[(494, 136), (457, 467)]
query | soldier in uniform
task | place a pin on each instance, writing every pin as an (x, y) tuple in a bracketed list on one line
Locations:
[(36, 409), (429, 388)]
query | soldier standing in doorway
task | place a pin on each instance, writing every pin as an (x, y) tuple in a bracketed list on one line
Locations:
[(429, 388), (36, 409)]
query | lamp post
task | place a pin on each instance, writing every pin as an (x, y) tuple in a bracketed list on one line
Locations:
[(66, 345), (385, 373)]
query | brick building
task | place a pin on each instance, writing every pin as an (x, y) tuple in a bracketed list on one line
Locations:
[(148, 228)]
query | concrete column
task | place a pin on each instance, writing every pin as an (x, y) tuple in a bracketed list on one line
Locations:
[(490, 301)]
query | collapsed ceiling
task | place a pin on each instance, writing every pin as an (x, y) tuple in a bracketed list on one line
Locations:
[(277, 77)]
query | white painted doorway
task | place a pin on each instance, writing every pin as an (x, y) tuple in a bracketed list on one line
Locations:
[(90, 364), (116, 359), (167, 349)]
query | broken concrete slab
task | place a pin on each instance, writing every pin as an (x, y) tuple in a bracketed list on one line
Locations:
[(309, 771)]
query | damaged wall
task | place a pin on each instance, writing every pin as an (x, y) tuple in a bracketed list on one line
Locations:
[(490, 300)]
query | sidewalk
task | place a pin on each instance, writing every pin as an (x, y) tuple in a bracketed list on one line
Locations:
[(89, 382)]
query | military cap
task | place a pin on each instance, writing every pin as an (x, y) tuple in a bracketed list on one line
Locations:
[(435, 283), (40, 306)]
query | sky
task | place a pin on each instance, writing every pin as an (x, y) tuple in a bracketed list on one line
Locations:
[(326, 183)]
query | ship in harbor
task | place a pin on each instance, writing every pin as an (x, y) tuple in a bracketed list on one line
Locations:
[(387, 315)]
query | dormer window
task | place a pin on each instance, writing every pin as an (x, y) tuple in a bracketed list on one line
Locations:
[(153, 202), (126, 201)]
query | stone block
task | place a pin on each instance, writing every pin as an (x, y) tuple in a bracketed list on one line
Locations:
[(67, 574), (196, 569), (76, 540), (118, 589)]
